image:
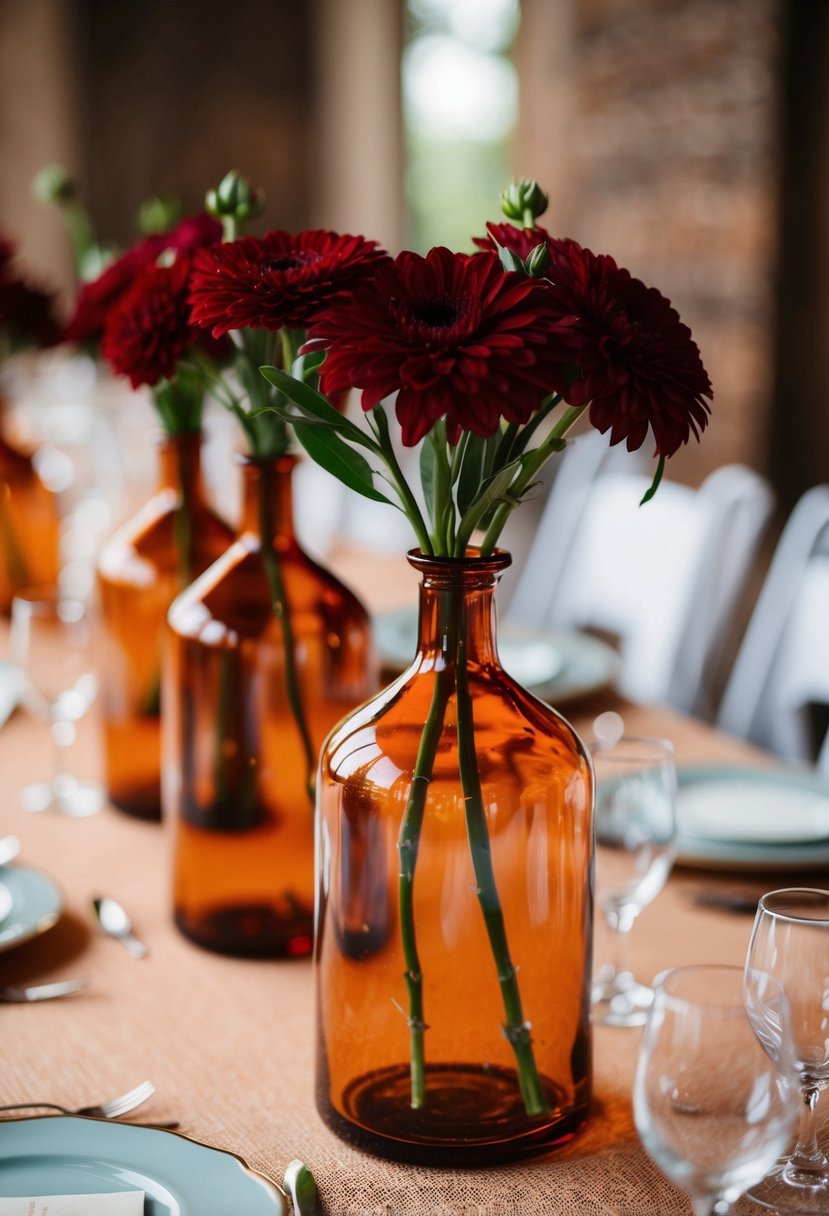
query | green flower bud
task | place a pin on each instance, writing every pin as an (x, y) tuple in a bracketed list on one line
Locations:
[(158, 214), (53, 185), (538, 261), (524, 200), (235, 197)]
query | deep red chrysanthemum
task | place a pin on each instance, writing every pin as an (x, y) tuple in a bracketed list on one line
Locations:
[(453, 334), (279, 280), (149, 331), (97, 299), (639, 364), (27, 316)]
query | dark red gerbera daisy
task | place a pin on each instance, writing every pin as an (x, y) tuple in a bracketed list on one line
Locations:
[(97, 299), (279, 280), (453, 334), (27, 313), (639, 364), (149, 331)]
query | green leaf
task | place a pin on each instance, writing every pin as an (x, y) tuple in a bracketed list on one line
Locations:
[(471, 476), (428, 476), (495, 491), (305, 366), (315, 407), (510, 260), (337, 458), (654, 486)]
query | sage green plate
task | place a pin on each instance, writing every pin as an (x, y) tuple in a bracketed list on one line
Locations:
[(36, 905), (67, 1155)]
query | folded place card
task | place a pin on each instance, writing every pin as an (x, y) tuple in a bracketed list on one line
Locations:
[(124, 1203)]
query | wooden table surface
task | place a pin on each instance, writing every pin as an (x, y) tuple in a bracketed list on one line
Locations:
[(229, 1042)]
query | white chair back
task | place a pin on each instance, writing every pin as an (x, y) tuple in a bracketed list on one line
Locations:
[(662, 579), (782, 668)]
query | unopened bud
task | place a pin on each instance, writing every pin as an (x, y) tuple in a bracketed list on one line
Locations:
[(523, 200), (158, 214), (538, 261), (234, 197), (53, 185)]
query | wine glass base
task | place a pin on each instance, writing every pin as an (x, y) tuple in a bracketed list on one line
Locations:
[(777, 1194), (618, 999), (75, 798)]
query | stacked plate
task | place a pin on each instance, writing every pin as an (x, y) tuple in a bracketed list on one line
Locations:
[(759, 819)]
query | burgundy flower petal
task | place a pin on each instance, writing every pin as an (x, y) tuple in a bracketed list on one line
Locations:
[(279, 280), (27, 313)]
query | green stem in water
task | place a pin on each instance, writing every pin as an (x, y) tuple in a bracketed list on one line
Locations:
[(279, 603), (516, 1030), (16, 567), (407, 847), (534, 460)]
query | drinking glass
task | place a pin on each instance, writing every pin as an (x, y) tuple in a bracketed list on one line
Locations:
[(790, 941), (635, 846), (711, 1108), (50, 645)]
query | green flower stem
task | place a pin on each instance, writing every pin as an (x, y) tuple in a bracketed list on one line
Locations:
[(534, 460), (15, 560), (516, 1029), (407, 847), (408, 501), (279, 603)]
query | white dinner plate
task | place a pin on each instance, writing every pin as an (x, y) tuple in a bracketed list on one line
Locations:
[(59, 1155), (555, 666), (36, 905), (774, 819)]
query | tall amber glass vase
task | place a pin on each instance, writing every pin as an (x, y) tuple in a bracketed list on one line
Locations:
[(454, 916), (29, 525), (141, 569), (268, 651)]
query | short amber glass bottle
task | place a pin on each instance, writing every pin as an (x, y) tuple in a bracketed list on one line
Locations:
[(29, 525), (141, 569), (454, 921), (263, 642)]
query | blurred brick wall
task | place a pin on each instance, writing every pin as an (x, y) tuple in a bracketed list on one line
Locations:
[(653, 124)]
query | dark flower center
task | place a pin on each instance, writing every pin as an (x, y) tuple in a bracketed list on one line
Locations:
[(289, 261), (436, 313)]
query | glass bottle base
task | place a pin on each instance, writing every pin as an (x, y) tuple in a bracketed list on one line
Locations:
[(250, 931), (139, 803), (473, 1116)]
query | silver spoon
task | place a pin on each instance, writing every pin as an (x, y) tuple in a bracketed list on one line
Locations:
[(113, 920), (42, 992), (9, 848)]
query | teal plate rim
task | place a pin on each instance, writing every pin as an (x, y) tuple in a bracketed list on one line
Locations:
[(37, 905), (35, 1146), (696, 851)]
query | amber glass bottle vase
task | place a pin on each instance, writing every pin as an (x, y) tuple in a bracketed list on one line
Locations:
[(454, 922), (267, 652), (29, 525), (141, 569)]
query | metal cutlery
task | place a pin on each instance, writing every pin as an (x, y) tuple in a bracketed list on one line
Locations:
[(115, 922), (300, 1185), (9, 848), (42, 992), (113, 1109)]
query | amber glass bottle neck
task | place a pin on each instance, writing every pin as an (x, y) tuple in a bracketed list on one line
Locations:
[(179, 464), (457, 606), (268, 505)]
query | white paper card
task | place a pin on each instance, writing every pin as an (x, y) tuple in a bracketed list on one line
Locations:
[(124, 1203)]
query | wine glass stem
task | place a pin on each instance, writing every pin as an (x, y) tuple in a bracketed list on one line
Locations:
[(63, 734), (622, 926), (808, 1158)]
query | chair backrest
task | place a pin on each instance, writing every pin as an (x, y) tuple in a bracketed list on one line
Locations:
[(663, 579), (781, 674)]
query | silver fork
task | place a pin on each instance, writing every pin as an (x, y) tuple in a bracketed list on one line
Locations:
[(113, 1109), (42, 992)]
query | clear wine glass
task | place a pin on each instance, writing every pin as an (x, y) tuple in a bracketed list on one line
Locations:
[(635, 847), (50, 643), (711, 1108), (790, 941)]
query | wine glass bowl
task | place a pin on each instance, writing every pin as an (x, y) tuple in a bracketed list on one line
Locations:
[(790, 941), (50, 644), (635, 822), (711, 1108)]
